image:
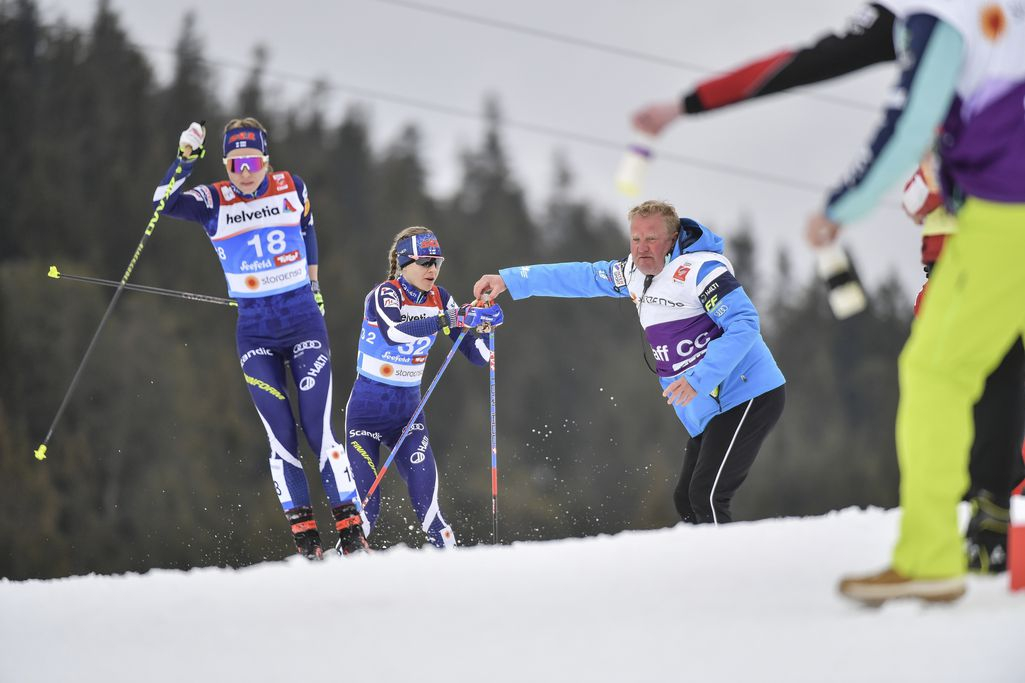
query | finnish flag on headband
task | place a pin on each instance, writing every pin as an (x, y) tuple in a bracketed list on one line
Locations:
[(414, 247), (245, 138)]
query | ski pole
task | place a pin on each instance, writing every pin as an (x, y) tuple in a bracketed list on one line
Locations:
[(40, 452), (189, 296), (494, 445), (416, 413)]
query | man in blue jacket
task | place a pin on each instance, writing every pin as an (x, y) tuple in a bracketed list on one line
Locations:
[(711, 360)]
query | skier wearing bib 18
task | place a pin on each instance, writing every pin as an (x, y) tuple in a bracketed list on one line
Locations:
[(261, 225)]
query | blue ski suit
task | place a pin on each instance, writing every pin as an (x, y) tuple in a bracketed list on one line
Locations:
[(400, 325), (265, 243)]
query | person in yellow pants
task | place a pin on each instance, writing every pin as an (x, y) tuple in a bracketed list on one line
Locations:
[(971, 315), (995, 465), (963, 67)]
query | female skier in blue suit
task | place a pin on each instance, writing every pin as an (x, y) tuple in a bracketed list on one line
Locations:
[(402, 318), (261, 226)]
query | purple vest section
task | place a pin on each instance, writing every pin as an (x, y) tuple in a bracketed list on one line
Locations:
[(983, 146), (679, 344)]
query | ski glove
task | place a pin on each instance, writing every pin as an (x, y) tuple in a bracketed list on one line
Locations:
[(192, 137), (317, 296), (476, 316)]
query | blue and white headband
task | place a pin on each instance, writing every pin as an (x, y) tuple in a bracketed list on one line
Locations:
[(245, 138), (423, 245)]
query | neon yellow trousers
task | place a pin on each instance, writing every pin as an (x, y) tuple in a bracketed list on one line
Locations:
[(973, 311)]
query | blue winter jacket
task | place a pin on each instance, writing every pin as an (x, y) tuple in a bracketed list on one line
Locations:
[(697, 318)]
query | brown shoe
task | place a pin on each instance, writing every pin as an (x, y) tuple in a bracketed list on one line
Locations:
[(875, 589)]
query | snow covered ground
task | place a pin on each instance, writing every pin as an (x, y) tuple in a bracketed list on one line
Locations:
[(748, 602)]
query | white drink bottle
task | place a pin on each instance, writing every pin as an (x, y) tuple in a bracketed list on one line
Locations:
[(634, 166), (846, 296)]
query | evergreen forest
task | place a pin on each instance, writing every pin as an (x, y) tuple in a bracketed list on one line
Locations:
[(160, 459)]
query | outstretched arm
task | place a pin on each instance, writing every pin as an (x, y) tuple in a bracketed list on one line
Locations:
[(867, 40), (571, 280), (489, 286)]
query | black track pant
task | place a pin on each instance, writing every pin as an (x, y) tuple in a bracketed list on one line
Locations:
[(717, 461), (996, 460)]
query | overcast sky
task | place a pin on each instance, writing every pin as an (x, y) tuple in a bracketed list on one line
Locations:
[(392, 55)]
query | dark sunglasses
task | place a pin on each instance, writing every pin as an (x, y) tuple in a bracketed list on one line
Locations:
[(252, 164), (429, 261)]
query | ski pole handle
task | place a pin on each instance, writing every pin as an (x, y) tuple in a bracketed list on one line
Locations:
[(186, 150)]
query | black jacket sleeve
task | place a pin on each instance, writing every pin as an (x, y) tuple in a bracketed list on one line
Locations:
[(867, 40)]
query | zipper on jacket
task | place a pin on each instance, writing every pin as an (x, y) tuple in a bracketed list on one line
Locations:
[(715, 397)]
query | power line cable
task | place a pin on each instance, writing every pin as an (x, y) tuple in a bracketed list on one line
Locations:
[(536, 128), (600, 47)]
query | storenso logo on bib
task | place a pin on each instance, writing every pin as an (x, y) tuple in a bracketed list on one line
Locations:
[(273, 279), (281, 278)]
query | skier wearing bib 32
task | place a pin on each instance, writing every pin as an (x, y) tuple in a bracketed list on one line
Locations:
[(704, 333), (261, 225), (402, 318)]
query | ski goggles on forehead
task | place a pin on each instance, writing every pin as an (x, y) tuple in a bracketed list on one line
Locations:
[(253, 164), (416, 248), (429, 261)]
